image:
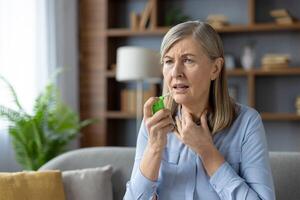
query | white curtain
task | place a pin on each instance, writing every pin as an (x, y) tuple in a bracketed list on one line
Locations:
[(36, 36), (22, 63)]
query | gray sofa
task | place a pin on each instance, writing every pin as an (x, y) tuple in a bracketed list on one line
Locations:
[(285, 168)]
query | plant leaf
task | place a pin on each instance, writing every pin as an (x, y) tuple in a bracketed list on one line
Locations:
[(13, 92)]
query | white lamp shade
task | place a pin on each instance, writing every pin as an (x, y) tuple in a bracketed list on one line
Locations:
[(137, 63)]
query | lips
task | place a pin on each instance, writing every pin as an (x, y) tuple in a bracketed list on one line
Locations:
[(180, 88)]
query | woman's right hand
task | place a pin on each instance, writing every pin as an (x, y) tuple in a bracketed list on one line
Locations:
[(158, 125)]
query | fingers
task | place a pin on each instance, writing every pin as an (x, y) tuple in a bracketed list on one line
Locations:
[(167, 128), (178, 124), (160, 119), (148, 107), (188, 119), (163, 126), (204, 120), (183, 118), (160, 115)]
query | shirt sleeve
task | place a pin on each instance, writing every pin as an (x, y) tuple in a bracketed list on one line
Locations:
[(139, 187), (255, 179)]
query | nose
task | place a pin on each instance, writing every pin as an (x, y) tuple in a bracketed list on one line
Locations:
[(177, 70)]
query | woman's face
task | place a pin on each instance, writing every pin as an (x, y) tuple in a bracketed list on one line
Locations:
[(188, 72)]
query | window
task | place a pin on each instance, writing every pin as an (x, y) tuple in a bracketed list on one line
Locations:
[(22, 51)]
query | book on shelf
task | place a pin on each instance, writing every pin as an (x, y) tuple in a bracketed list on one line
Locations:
[(217, 20), (297, 105), (128, 101), (275, 61), (284, 20), (282, 16), (274, 66), (279, 13), (129, 98)]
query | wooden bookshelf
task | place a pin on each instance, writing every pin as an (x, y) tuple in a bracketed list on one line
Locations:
[(100, 92)]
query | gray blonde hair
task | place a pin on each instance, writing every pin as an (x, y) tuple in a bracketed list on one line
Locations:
[(223, 110)]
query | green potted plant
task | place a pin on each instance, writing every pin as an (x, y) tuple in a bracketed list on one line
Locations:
[(43, 135), (175, 16)]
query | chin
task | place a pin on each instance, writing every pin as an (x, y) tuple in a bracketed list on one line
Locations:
[(180, 99)]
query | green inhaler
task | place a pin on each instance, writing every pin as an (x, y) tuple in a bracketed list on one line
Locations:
[(158, 105)]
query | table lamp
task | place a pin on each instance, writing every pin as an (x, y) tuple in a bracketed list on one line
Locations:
[(138, 64)]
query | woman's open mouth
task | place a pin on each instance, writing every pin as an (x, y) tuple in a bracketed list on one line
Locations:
[(180, 88)]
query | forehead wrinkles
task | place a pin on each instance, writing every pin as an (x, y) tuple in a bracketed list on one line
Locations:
[(180, 49)]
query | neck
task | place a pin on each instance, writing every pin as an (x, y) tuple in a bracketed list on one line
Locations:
[(196, 110)]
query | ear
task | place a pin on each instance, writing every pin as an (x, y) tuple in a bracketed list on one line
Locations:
[(216, 68)]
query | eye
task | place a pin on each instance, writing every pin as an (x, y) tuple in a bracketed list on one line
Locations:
[(188, 61), (168, 62)]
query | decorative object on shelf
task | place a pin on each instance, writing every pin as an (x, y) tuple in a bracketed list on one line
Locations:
[(282, 16), (175, 16), (229, 61), (147, 14), (248, 57), (41, 136), (297, 104), (134, 20), (217, 20), (275, 61), (138, 64), (233, 91)]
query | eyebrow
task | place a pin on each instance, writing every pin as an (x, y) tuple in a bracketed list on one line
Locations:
[(188, 54), (184, 55)]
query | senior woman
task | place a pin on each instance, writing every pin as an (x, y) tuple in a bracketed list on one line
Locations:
[(205, 146)]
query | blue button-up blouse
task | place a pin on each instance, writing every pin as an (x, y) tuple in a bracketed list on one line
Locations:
[(246, 174)]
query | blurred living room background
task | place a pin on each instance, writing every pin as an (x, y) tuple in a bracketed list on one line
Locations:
[(262, 53)]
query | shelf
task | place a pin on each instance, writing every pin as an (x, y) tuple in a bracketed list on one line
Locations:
[(277, 72), (236, 72), (123, 32), (280, 116), (120, 115), (261, 27), (262, 72)]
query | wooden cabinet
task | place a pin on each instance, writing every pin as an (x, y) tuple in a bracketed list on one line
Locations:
[(104, 26)]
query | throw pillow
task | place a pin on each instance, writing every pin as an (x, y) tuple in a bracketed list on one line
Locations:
[(91, 183), (30, 185)]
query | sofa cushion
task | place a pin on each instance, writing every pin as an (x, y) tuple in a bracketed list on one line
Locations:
[(46, 185), (90, 183)]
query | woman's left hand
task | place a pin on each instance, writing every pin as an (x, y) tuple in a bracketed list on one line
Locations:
[(197, 137)]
